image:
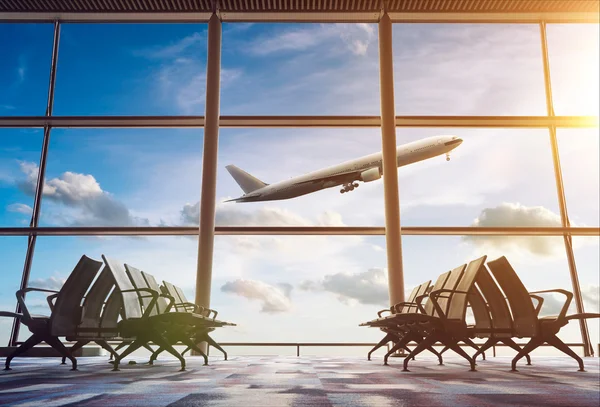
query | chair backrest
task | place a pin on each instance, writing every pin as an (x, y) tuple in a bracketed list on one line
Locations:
[(172, 291), (417, 291), (131, 307), (181, 294), (138, 281), (162, 303), (496, 303), (111, 313), (439, 284), (94, 302), (483, 321), (453, 280), (67, 312), (411, 298), (457, 308), (521, 305)]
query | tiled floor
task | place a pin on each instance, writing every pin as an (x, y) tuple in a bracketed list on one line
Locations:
[(306, 381)]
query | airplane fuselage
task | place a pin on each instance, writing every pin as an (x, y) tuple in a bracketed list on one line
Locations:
[(366, 169)]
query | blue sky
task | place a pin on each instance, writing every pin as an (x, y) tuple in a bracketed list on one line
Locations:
[(286, 285)]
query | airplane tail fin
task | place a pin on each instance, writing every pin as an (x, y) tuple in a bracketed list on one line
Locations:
[(247, 182)]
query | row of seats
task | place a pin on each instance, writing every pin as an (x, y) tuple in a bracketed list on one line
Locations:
[(502, 308), (107, 300)]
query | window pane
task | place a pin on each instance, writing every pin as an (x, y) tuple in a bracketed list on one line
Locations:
[(300, 69), (25, 68), (299, 288), (580, 163), (131, 69), (19, 153), (276, 155), (574, 67), (468, 69), (487, 182), (12, 252), (121, 177)]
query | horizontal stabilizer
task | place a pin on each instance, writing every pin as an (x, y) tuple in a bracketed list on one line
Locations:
[(247, 182)]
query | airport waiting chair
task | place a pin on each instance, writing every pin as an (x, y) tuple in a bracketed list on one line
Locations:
[(66, 311), (526, 322), (402, 325), (136, 322), (404, 307), (173, 332), (90, 327), (448, 322), (101, 312), (201, 334), (493, 320)]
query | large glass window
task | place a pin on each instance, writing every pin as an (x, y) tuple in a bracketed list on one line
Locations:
[(281, 288), (25, 68), (300, 69), (135, 69), (120, 177), (468, 69)]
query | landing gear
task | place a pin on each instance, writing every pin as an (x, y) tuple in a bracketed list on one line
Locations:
[(349, 187), (447, 156)]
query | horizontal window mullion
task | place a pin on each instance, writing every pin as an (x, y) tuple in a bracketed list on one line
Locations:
[(299, 230), (298, 121)]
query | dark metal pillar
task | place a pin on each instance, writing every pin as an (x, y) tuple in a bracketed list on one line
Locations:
[(206, 237), (37, 201), (588, 350), (390, 162)]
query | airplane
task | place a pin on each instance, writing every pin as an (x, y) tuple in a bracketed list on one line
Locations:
[(366, 169)]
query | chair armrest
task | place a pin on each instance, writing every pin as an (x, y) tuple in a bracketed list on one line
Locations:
[(171, 301), (418, 302), (152, 293), (568, 299), (197, 309), (397, 306), (50, 299), (20, 294), (540, 301), (384, 310), (208, 311)]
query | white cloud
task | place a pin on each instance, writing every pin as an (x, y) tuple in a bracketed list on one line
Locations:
[(517, 215), (514, 214), (368, 287), (20, 208), (82, 192), (273, 299)]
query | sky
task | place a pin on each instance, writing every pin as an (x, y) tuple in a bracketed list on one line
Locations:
[(298, 288)]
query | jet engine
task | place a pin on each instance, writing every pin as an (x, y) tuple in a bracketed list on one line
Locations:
[(369, 175)]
